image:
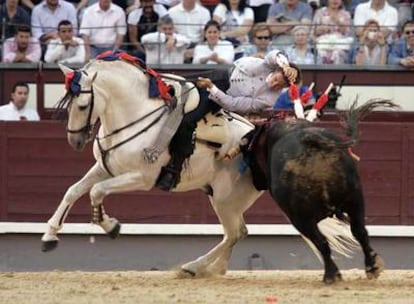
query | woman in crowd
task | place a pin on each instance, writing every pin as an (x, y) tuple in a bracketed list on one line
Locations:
[(300, 52), (213, 50), (236, 19), (332, 32), (372, 48), (261, 37)]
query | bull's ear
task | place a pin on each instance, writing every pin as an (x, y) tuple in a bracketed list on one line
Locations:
[(66, 70)]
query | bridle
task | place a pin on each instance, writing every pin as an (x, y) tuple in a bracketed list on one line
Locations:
[(88, 128), (74, 90)]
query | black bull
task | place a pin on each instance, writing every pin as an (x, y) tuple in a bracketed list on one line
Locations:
[(312, 175)]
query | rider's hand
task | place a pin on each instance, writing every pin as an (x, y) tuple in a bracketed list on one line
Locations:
[(204, 83), (290, 73)]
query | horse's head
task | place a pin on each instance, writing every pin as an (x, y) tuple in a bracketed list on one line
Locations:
[(80, 104)]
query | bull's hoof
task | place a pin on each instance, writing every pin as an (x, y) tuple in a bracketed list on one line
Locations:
[(49, 245), (374, 271), (329, 279), (114, 233)]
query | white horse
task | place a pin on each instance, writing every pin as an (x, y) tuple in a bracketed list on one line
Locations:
[(116, 93)]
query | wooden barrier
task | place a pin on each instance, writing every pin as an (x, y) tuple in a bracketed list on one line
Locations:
[(37, 166)]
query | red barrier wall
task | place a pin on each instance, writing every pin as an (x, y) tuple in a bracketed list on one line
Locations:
[(37, 165)]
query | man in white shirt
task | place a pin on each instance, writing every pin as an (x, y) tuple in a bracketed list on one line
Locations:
[(16, 109), (103, 27), (47, 15), (379, 10), (165, 46), (66, 48), (189, 18)]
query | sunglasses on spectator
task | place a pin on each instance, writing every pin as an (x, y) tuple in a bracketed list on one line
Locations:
[(409, 32), (263, 37)]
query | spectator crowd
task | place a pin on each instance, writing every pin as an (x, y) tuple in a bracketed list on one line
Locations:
[(374, 32)]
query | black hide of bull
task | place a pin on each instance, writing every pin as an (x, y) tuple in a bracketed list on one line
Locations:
[(311, 175)]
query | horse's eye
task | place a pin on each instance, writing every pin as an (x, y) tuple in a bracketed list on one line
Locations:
[(83, 108)]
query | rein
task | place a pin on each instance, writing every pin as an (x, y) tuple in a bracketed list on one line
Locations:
[(88, 127), (104, 152)]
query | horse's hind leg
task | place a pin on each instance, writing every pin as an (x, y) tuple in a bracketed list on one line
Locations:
[(374, 264), (229, 210), (74, 192), (308, 227)]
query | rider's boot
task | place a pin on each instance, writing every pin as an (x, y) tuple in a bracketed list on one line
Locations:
[(181, 147), (170, 174)]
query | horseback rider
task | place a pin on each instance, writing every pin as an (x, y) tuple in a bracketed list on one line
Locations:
[(255, 84)]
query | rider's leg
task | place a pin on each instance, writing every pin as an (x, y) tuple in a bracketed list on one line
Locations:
[(182, 143)]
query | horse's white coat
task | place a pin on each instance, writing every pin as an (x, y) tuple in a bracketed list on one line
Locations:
[(120, 97)]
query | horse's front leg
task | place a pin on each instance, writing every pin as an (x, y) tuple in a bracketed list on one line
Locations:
[(122, 183), (74, 192)]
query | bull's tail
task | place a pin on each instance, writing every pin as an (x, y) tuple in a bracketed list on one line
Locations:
[(355, 114), (339, 236)]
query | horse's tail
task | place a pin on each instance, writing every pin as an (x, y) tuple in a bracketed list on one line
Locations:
[(355, 114), (339, 236)]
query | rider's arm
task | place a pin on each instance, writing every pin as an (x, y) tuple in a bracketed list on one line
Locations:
[(239, 104)]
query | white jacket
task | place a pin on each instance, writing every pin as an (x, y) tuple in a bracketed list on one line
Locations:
[(249, 92)]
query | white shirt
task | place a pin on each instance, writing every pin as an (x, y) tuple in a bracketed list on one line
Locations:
[(190, 23), (57, 53), (224, 49), (43, 20), (221, 12), (155, 48), (10, 112), (248, 91), (135, 15), (101, 26), (387, 16)]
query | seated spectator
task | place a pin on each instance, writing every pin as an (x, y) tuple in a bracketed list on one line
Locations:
[(143, 20), (12, 15), (67, 48), (284, 102), (236, 20), (332, 33), (380, 10), (301, 52), (372, 48), (213, 50), (405, 10), (210, 5), (22, 47), (165, 46), (402, 51), (189, 18), (16, 109), (284, 16), (46, 17), (260, 9), (261, 41), (103, 28)]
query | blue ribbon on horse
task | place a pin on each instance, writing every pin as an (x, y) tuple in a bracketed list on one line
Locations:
[(72, 83)]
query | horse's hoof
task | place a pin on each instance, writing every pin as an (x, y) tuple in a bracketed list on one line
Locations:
[(378, 267), (49, 245), (185, 274), (328, 280), (114, 233)]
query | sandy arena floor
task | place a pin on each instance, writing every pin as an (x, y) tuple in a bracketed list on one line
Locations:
[(393, 287)]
